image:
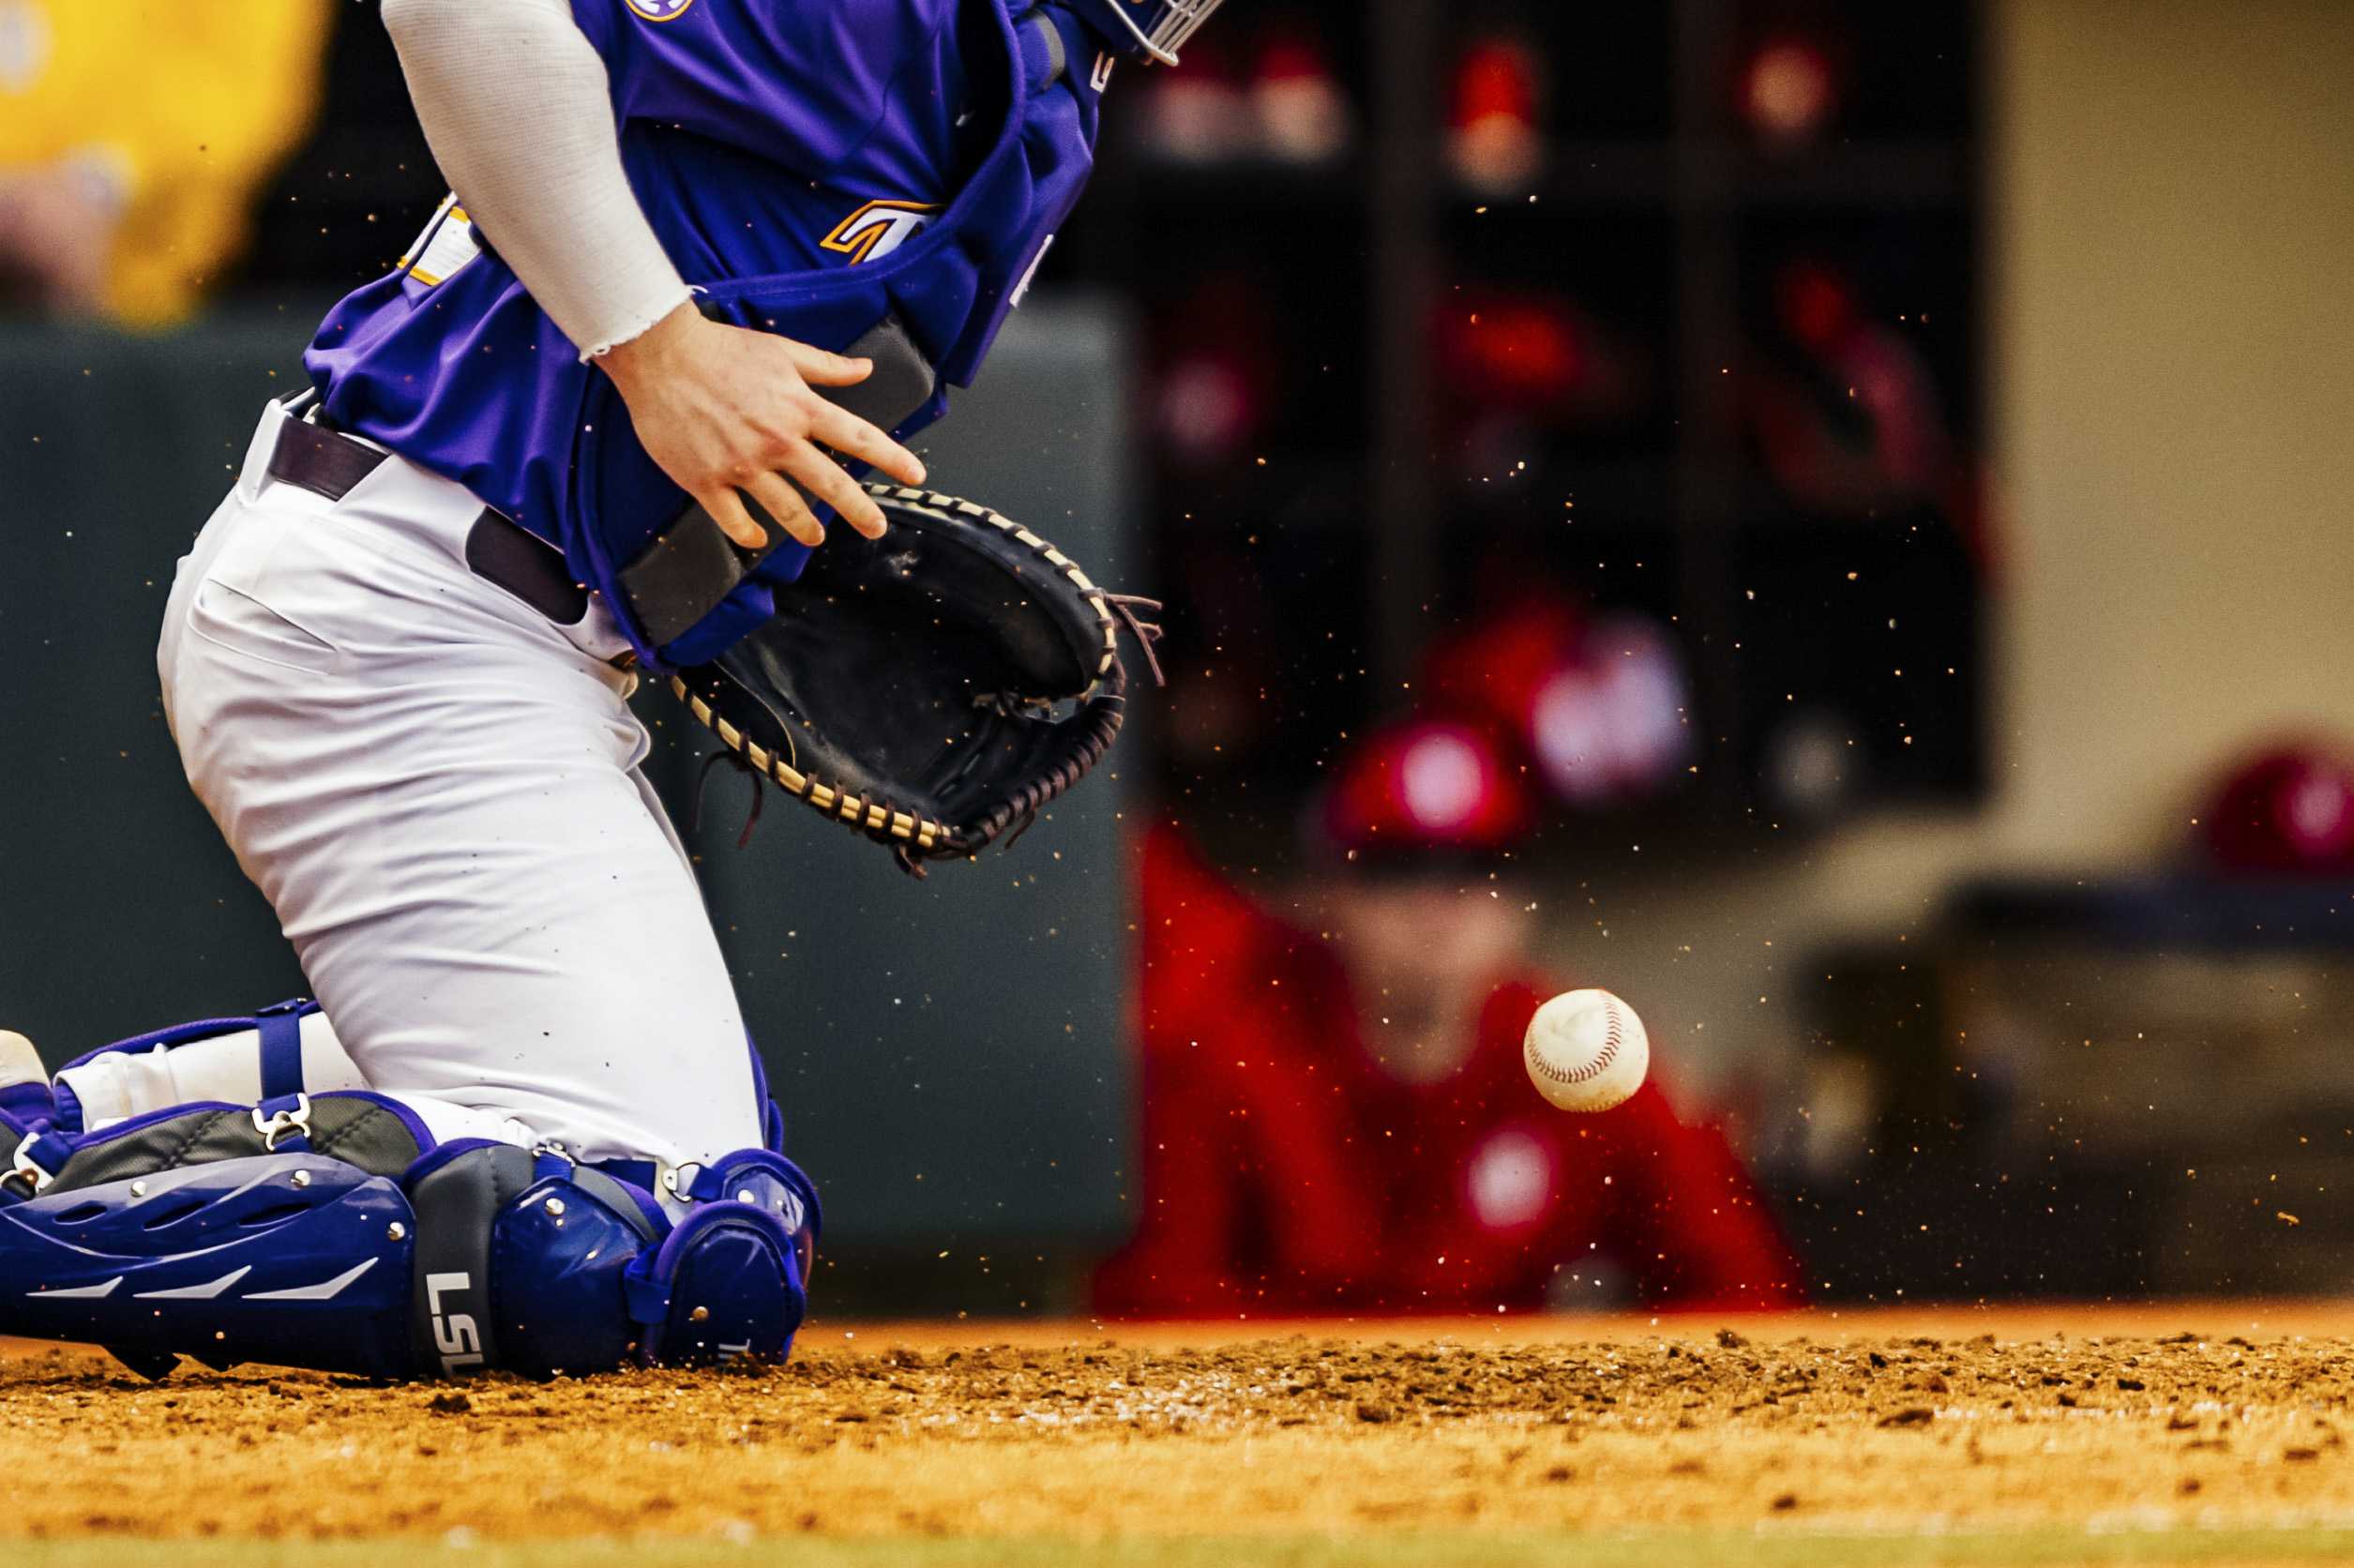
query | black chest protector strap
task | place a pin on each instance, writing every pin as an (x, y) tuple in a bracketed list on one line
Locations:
[(692, 565)]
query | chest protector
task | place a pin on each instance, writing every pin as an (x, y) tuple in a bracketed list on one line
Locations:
[(464, 375)]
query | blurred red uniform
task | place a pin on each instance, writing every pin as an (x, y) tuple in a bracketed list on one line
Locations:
[(1284, 1172)]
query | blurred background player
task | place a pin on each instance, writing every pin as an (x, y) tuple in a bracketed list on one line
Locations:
[(1336, 1116), (134, 138)]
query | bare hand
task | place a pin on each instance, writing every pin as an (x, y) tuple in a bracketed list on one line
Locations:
[(723, 409)]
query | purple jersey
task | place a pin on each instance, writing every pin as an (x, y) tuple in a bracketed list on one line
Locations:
[(864, 96), (814, 167), (828, 107), (754, 135)]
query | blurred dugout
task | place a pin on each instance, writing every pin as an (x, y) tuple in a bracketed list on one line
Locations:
[(135, 137)]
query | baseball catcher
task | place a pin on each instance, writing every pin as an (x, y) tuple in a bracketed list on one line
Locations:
[(704, 263)]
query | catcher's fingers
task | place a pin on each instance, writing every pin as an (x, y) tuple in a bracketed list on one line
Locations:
[(726, 509), (823, 367), (784, 503), (854, 437), (828, 483)]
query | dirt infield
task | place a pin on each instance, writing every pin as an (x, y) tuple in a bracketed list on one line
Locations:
[(1873, 1424)]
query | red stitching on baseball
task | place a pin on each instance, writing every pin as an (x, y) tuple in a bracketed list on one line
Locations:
[(1600, 1064)]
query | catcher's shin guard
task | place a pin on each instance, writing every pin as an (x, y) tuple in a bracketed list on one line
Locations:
[(731, 1280), (229, 1234), (331, 1233)]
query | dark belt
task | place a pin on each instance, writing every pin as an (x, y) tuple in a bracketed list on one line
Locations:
[(327, 462)]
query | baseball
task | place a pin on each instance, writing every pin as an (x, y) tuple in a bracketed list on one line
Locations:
[(1586, 1050)]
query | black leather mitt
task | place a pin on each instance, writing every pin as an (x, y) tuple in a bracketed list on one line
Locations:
[(931, 688)]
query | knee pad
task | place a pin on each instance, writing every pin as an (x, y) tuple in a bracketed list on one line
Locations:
[(731, 1280), (332, 1233), (531, 1264)]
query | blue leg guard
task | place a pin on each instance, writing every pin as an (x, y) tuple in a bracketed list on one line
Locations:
[(331, 1232), (225, 1232), (286, 1258), (731, 1280)]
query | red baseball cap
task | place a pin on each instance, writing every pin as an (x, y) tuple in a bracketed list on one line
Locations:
[(1423, 785)]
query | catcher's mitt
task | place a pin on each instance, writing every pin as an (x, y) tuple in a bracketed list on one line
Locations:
[(931, 688)]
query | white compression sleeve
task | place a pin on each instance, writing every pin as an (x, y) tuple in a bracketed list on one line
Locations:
[(515, 104), (119, 1085), (227, 1068)]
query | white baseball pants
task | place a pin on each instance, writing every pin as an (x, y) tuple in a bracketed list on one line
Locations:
[(438, 789)]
